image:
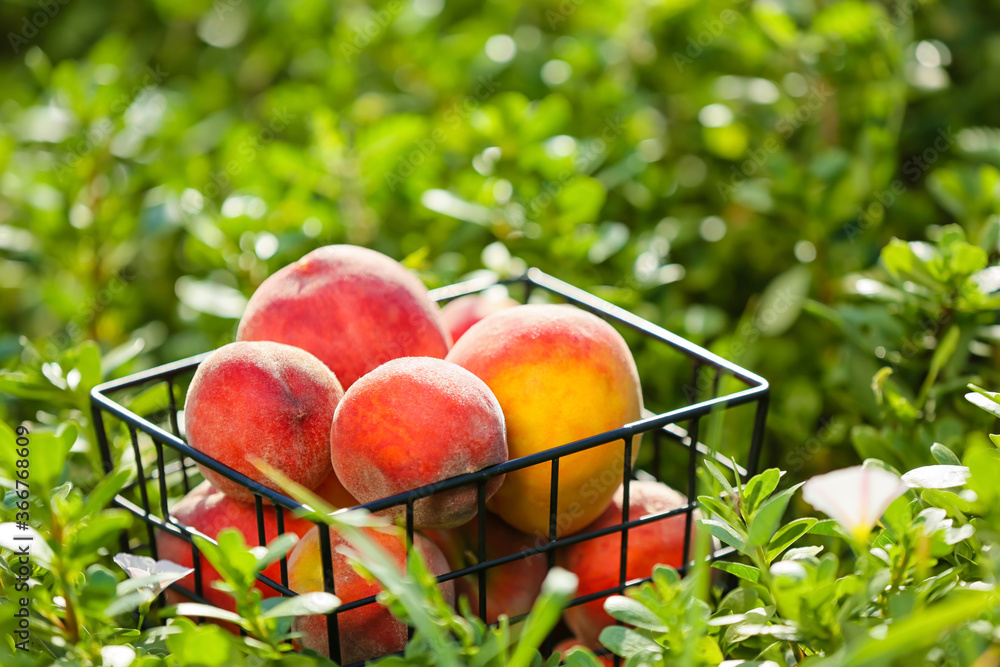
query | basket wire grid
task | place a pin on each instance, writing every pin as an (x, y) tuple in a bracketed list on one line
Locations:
[(664, 427)]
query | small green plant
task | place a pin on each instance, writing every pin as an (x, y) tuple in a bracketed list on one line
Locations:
[(443, 636)]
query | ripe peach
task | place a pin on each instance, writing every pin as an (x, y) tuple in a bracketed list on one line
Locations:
[(416, 421), (352, 307), (597, 561), (560, 374), (566, 644), (208, 510), (511, 589), (369, 631), (332, 491), (460, 314), (267, 399)]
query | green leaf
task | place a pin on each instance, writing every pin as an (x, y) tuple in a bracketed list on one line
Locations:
[(276, 550), (944, 456), (626, 642), (88, 362), (964, 259), (121, 355), (633, 612), (984, 470), (102, 494), (788, 535), (47, 469), (828, 528), (942, 353), (918, 630), (758, 489), (99, 532), (131, 601), (580, 657), (781, 302), (665, 578), (986, 400), (898, 259), (197, 609), (747, 572), (557, 590), (898, 517), (718, 508), (768, 518), (949, 501), (206, 645), (719, 477), (725, 533), (304, 604)]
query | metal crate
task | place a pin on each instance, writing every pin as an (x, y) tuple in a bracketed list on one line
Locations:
[(676, 427)]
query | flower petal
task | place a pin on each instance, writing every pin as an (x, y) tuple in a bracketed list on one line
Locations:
[(135, 566), (854, 497)]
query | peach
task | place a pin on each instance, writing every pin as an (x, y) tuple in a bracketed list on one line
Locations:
[(597, 562), (352, 307), (269, 400), (566, 644), (208, 510), (460, 314), (560, 374), (413, 422), (332, 491), (369, 631), (511, 589)]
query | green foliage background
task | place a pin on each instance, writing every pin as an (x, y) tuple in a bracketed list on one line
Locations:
[(151, 180), (809, 188)]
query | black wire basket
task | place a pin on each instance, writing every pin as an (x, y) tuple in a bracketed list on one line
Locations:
[(165, 463)]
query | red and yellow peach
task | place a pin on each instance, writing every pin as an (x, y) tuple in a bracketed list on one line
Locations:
[(560, 374)]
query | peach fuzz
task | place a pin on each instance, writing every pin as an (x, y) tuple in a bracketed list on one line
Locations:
[(369, 631), (352, 307), (511, 589), (561, 374), (413, 422), (460, 314), (262, 400), (209, 511), (597, 561)]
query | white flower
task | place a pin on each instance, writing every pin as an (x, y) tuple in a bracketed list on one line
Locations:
[(160, 573), (936, 477), (854, 497)]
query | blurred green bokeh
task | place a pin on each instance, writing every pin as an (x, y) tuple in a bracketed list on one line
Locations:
[(722, 169)]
